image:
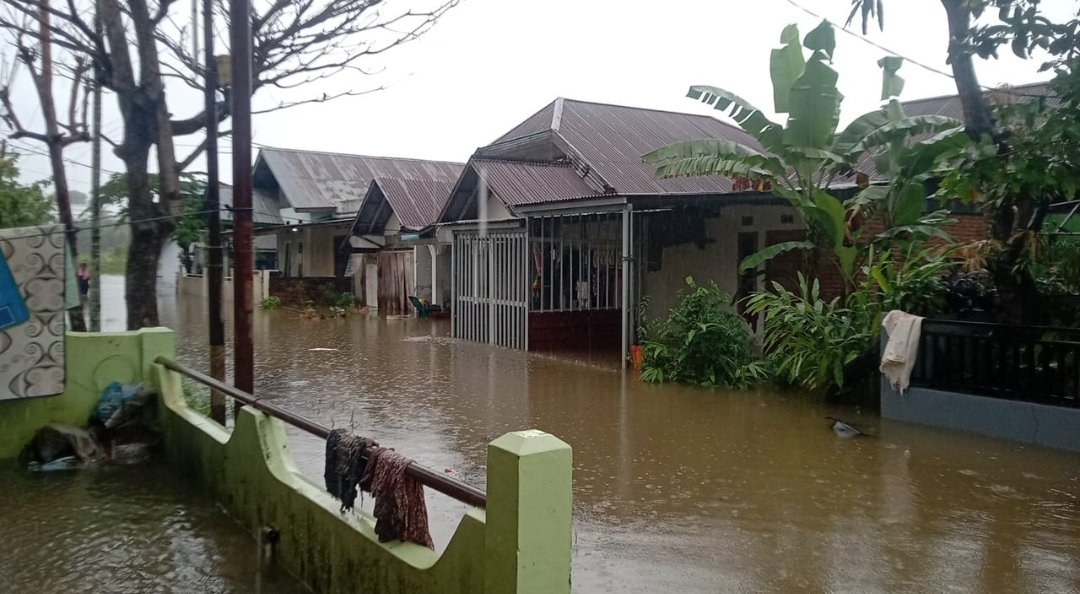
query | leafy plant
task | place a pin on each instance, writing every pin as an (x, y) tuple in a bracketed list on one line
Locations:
[(21, 205), (347, 300), (810, 341), (801, 160), (272, 302), (702, 341)]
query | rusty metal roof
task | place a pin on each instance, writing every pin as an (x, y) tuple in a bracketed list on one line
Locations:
[(312, 180), (950, 106), (264, 207), (515, 183), (611, 139), (518, 183), (417, 203)]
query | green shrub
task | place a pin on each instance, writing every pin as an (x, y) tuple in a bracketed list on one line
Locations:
[(810, 341), (272, 302), (701, 342), (347, 300)]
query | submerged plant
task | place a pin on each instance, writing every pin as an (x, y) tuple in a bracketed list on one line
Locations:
[(702, 341), (810, 341), (272, 302)]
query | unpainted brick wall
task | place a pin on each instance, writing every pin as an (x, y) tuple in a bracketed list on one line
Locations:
[(785, 267)]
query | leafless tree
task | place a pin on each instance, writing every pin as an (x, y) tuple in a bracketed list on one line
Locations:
[(37, 57), (295, 43)]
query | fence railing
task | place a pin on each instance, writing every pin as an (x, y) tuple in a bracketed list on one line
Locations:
[(425, 476), (1027, 363)]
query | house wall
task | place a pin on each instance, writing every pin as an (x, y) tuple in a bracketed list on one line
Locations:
[(317, 257), (785, 267), (319, 251), (496, 210), (716, 259), (422, 272), (443, 262)]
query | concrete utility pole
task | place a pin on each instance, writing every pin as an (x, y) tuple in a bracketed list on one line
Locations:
[(214, 269), (243, 347)]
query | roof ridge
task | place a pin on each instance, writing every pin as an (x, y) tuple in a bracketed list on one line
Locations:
[(340, 154), (652, 109), (907, 102), (521, 162)]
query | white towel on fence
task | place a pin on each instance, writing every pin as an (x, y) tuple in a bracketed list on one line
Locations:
[(898, 359)]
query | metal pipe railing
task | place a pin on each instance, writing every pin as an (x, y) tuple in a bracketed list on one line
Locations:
[(425, 476)]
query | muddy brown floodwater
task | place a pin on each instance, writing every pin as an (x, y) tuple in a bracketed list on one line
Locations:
[(686, 490)]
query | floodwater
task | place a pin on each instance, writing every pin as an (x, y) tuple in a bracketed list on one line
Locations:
[(123, 530), (679, 489)]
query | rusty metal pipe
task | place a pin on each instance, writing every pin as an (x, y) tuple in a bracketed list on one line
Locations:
[(425, 476)]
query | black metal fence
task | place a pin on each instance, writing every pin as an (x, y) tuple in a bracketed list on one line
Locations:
[(1027, 363)]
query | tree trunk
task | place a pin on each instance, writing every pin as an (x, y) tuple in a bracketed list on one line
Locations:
[(977, 118), (149, 231)]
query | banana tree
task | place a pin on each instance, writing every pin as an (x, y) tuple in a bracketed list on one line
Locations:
[(803, 158)]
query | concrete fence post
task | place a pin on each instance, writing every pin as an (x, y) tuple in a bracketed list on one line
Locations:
[(529, 514)]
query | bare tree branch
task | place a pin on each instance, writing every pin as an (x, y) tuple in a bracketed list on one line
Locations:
[(323, 99)]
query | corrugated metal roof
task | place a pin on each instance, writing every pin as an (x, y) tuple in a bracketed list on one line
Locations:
[(319, 181), (950, 106), (611, 139), (264, 207), (416, 202), (518, 183)]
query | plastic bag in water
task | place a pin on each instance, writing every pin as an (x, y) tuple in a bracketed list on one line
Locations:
[(119, 402)]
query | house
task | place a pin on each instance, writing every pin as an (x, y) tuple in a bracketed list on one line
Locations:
[(562, 236), (397, 261), (264, 215), (317, 196)]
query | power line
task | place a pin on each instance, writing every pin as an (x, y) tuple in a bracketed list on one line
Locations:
[(887, 50), (60, 229)]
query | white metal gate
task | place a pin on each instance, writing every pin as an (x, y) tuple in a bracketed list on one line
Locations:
[(491, 288)]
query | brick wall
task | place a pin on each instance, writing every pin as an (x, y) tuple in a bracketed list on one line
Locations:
[(785, 267)]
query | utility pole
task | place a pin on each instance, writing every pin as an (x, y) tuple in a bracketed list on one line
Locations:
[(95, 200), (214, 271), (243, 347)]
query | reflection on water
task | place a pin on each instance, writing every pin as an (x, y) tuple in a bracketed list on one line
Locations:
[(123, 530), (683, 489)]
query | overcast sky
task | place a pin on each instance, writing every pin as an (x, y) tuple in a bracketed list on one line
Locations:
[(491, 63)]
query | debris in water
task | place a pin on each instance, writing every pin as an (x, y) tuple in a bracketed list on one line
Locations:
[(321, 349)]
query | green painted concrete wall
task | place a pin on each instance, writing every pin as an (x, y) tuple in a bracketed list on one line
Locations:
[(93, 361), (520, 544)]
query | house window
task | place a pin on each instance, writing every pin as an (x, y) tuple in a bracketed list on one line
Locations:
[(748, 221), (787, 219), (575, 263)]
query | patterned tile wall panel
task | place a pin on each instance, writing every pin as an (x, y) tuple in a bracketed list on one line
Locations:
[(32, 352)]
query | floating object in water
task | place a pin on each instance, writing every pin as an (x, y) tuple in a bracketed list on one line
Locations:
[(843, 429), (449, 469), (322, 349)]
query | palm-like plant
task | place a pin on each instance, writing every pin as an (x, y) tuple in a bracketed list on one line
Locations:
[(802, 159)]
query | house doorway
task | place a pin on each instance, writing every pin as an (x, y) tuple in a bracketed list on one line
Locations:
[(395, 281)]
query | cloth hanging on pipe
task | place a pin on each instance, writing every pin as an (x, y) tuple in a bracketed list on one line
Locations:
[(345, 465), (400, 510)]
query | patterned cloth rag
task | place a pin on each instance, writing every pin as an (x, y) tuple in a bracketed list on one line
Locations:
[(400, 510)]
